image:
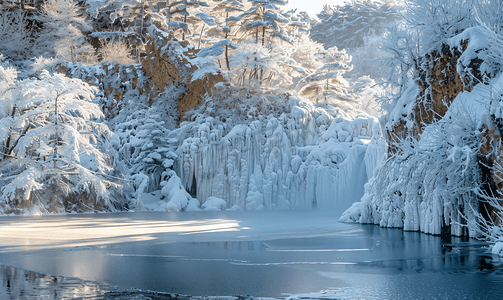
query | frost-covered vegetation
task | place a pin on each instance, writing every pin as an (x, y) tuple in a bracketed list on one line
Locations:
[(97, 112), (238, 104), (54, 154), (442, 172)]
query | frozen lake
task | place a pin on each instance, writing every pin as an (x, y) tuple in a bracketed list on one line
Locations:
[(262, 254)]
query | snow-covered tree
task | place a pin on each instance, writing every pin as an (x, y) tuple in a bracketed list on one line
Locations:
[(300, 23), (255, 66), (347, 26), (144, 145), (327, 83), (64, 30), (226, 13), (435, 21), (264, 21), (124, 19), (359, 27), (305, 52), (151, 150), (54, 152), (17, 35), (182, 15)]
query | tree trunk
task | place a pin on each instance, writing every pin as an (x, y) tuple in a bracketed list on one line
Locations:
[(263, 35), (23, 133), (183, 31), (56, 142), (7, 142), (142, 16), (227, 57), (227, 46), (201, 36)]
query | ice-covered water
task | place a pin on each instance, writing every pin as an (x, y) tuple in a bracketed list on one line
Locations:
[(276, 254)]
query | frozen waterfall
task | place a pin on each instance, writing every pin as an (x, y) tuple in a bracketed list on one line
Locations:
[(303, 159)]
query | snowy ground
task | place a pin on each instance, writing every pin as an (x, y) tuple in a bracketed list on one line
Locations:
[(264, 254)]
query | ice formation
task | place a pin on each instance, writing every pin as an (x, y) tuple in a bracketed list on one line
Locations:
[(299, 160)]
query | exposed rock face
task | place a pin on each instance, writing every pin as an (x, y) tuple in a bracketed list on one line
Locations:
[(163, 69), (439, 83)]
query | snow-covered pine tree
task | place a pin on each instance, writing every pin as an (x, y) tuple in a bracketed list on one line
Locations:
[(142, 133), (226, 12), (300, 23), (54, 152), (359, 26), (124, 20), (152, 152), (264, 21), (64, 31), (180, 15), (327, 83)]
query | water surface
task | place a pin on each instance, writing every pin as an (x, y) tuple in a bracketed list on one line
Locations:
[(282, 254)]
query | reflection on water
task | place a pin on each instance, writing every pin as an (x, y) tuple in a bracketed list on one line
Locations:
[(23, 284)]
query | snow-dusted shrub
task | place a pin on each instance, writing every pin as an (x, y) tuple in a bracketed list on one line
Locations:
[(178, 199), (54, 151), (115, 52), (8, 76), (489, 229)]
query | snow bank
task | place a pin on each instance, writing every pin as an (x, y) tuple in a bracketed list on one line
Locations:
[(302, 159)]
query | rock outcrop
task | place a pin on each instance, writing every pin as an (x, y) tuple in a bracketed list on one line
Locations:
[(443, 74), (439, 84), (167, 61)]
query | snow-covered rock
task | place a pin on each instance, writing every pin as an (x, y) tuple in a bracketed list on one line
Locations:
[(214, 203)]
